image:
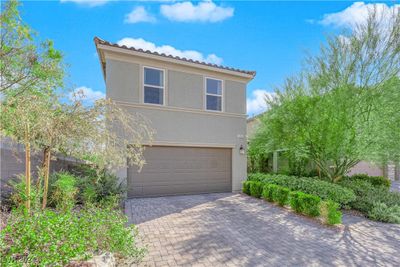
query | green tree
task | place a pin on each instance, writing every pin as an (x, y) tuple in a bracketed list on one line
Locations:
[(22, 119), (30, 72), (24, 62), (344, 106)]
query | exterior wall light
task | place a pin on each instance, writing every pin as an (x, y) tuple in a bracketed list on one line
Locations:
[(241, 150)]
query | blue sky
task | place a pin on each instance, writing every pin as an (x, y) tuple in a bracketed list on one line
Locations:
[(268, 37)]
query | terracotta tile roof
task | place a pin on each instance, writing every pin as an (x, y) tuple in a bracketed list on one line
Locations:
[(97, 41)]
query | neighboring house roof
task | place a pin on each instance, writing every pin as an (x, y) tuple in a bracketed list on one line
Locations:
[(98, 41), (254, 117)]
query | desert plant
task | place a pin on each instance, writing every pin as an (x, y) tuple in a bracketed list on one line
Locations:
[(368, 195), (382, 212), (343, 105), (95, 185)]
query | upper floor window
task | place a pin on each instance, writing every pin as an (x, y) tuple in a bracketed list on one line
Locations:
[(153, 85), (213, 94)]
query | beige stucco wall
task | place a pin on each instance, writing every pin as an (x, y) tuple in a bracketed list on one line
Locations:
[(183, 120), (125, 77), (367, 168), (252, 125), (185, 90)]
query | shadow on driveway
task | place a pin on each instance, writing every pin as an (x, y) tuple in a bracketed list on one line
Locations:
[(237, 230)]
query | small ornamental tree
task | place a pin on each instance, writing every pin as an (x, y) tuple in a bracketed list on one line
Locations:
[(344, 106), (103, 135), (21, 120)]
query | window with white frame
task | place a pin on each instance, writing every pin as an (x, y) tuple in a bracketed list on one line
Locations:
[(213, 94), (153, 85)]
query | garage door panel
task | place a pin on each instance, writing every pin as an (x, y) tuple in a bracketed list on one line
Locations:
[(179, 178), (181, 170), (157, 190)]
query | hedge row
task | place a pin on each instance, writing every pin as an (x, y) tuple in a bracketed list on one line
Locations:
[(300, 202), (325, 190)]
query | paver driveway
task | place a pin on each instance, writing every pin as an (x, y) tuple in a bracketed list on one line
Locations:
[(237, 230)]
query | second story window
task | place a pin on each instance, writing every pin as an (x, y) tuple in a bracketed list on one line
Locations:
[(213, 94), (153, 85)]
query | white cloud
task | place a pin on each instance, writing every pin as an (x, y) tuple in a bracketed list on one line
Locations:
[(88, 3), (356, 14), (205, 11), (169, 50), (139, 14), (86, 94), (256, 103)]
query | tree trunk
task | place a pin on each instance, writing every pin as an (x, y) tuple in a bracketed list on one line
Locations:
[(27, 170), (46, 173)]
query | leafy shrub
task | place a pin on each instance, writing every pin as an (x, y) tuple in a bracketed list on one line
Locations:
[(18, 195), (256, 189), (374, 180), (294, 200), (246, 187), (305, 203), (310, 204), (95, 185), (381, 212), (368, 195), (63, 191), (330, 212), (49, 238), (281, 195), (268, 191), (323, 189)]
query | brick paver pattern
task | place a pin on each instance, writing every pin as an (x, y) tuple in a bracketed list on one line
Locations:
[(237, 230)]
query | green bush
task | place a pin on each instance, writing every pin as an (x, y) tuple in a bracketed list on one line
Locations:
[(330, 212), (294, 201), (368, 195), (310, 204), (374, 180), (49, 238), (63, 191), (268, 191), (305, 203), (96, 185), (256, 189), (18, 195), (381, 212), (325, 190), (246, 187), (281, 195)]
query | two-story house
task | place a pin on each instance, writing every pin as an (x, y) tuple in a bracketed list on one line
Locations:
[(198, 111)]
